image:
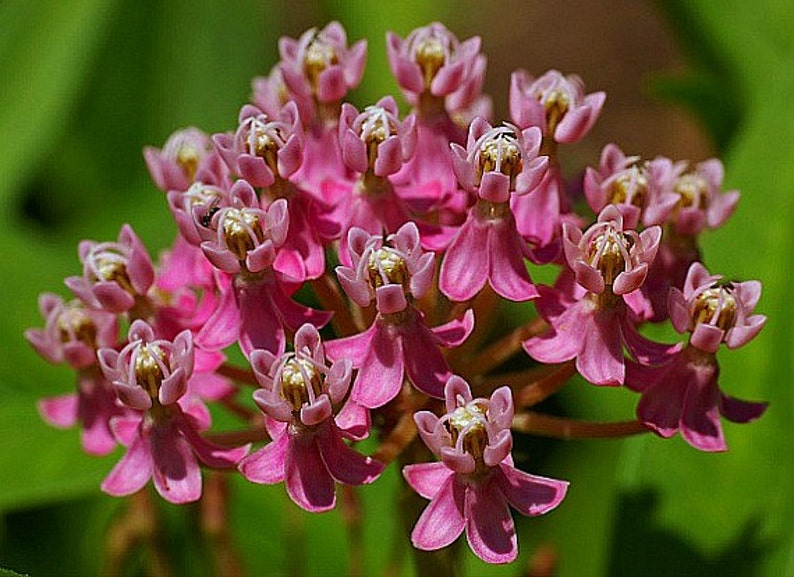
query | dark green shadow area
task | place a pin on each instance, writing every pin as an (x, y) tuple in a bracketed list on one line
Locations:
[(643, 546)]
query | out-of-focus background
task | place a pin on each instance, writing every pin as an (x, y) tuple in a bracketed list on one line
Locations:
[(87, 83)]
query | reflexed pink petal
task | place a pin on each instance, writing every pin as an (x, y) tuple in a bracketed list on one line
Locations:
[(466, 265), (345, 464), (507, 270), (223, 326), (132, 472), (442, 521), (530, 494), (176, 473), (700, 418), (260, 326), (59, 411), (455, 332), (661, 404), (489, 525), (354, 420), (563, 340), (427, 479), (212, 455), (424, 363), (740, 411), (309, 484), (381, 373), (601, 359), (267, 464)]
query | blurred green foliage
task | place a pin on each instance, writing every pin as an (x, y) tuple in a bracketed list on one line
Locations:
[(88, 83)]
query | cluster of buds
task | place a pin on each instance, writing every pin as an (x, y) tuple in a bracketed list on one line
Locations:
[(433, 218)]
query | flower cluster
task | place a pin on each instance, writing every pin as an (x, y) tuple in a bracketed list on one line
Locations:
[(432, 218)]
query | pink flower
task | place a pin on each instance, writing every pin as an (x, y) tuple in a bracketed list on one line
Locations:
[(264, 149), (245, 236), (609, 256), (498, 163), (625, 181), (320, 64), (475, 483), (386, 273), (588, 312), (72, 332), (397, 342), (555, 103), (701, 202), (300, 395), (376, 140), (715, 311), (684, 394), (71, 335), (194, 208), (175, 166), (115, 274), (431, 59), (151, 376), (499, 160)]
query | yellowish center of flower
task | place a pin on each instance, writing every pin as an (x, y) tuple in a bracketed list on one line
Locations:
[(501, 153), (716, 306), (148, 371), (630, 187), (469, 421), (242, 229), (556, 103), (75, 324), (188, 157), (608, 252), (265, 140), (110, 265), (430, 55), (319, 56), (376, 128), (693, 190), (297, 376), (386, 266)]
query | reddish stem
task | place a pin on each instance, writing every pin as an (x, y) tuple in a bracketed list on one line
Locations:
[(501, 350), (239, 374), (543, 388), (563, 428), (331, 298)]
